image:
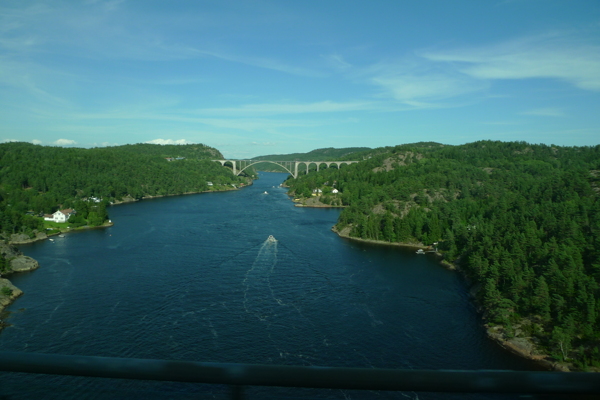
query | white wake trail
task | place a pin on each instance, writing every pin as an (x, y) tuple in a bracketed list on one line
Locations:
[(257, 281)]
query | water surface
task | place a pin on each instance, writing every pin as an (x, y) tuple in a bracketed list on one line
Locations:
[(194, 278)]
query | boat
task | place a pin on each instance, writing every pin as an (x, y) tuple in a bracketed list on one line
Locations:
[(61, 235), (266, 192), (420, 251), (271, 239)]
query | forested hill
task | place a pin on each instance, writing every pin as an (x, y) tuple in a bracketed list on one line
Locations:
[(327, 154), (38, 179), (522, 221)]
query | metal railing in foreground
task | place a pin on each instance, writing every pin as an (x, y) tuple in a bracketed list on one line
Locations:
[(239, 375)]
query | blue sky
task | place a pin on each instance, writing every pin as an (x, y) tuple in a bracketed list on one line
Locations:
[(275, 77)]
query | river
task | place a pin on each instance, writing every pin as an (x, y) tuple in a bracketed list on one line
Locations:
[(194, 278)]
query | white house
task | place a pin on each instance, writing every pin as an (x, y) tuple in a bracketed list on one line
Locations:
[(60, 216), (334, 191)]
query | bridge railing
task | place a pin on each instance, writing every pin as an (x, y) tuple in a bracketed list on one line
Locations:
[(241, 375)]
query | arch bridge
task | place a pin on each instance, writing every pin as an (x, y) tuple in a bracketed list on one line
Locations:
[(238, 166)]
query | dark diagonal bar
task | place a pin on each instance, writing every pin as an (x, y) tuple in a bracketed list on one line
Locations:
[(522, 382)]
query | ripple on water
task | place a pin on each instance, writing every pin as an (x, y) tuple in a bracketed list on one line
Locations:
[(191, 278)]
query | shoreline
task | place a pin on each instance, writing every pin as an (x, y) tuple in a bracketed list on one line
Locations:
[(520, 346), (108, 223), (314, 202), (18, 263), (44, 236), (6, 301), (132, 200)]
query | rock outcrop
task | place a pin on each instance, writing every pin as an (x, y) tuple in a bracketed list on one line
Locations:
[(23, 263), (8, 251), (15, 292), (19, 238)]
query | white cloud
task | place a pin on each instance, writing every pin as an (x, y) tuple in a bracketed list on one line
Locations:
[(545, 112), (35, 141), (104, 144), (64, 142), (10, 140), (421, 90), (274, 109), (546, 56), (168, 141)]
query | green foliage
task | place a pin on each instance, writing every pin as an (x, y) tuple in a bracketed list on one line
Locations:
[(41, 180), (4, 265), (328, 154), (6, 291), (524, 221)]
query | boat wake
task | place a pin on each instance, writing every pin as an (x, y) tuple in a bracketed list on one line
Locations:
[(258, 293)]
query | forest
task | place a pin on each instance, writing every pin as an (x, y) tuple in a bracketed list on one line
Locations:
[(521, 221), (326, 154), (37, 180)]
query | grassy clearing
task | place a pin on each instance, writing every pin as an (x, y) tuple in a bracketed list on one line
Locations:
[(55, 227)]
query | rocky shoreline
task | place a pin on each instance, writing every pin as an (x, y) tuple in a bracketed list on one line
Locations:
[(21, 263), (521, 346), (17, 263)]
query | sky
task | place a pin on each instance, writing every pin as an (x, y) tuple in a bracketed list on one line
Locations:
[(275, 77)]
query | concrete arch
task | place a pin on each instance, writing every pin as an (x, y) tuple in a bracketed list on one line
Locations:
[(291, 167), (280, 163)]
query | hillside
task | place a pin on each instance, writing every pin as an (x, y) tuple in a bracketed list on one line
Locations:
[(522, 221), (327, 154), (40, 180)]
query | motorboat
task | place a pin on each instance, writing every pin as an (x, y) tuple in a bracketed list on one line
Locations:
[(420, 251), (266, 192), (271, 239)]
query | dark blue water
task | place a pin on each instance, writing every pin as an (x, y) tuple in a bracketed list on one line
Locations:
[(193, 278)]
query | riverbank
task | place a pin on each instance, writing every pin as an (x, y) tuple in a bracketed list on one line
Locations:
[(21, 263), (313, 202), (128, 199), (17, 262), (20, 239), (518, 344)]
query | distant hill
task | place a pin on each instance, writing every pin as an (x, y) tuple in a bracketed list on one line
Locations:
[(327, 154)]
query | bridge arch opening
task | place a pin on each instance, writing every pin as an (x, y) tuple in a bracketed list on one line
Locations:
[(286, 165)]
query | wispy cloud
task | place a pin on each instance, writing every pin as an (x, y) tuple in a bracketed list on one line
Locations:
[(258, 124), (255, 61), (336, 61), (113, 30), (426, 90), (545, 112), (281, 109), (264, 144), (557, 56)]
